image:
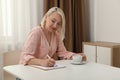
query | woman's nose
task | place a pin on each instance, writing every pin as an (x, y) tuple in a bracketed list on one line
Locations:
[(55, 25)]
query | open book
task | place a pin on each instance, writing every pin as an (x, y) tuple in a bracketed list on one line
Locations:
[(56, 66)]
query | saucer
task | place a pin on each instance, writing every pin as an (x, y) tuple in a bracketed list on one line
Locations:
[(78, 63)]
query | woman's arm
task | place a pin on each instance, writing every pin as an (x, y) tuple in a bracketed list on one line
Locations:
[(62, 52), (30, 46), (42, 62)]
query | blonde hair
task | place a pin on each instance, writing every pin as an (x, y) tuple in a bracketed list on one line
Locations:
[(61, 13)]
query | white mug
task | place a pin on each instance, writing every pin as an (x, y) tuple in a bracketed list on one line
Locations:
[(77, 58)]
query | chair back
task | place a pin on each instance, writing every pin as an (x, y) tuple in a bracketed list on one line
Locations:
[(10, 58)]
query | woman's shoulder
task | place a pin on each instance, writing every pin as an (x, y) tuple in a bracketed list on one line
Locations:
[(36, 30)]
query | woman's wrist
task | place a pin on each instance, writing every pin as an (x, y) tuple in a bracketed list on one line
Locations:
[(35, 61)]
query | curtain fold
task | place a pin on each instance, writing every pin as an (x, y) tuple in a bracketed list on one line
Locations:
[(50, 3), (75, 21), (17, 18), (79, 23)]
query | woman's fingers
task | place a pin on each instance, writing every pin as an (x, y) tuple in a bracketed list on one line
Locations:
[(84, 58), (51, 62)]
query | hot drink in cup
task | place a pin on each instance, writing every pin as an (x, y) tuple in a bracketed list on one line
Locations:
[(77, 58)]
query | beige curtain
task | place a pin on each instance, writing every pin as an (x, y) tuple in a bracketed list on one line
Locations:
[(75, 21)]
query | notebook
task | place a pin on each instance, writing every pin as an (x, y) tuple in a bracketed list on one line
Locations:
[(56, 66)]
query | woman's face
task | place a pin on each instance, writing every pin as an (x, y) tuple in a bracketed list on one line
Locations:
[(53, 22)]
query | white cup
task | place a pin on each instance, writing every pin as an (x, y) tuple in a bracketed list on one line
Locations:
[(77, 59)]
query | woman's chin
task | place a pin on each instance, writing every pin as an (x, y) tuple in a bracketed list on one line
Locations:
[(53, 30)]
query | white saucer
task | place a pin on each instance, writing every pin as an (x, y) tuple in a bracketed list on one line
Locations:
[(78, 63)]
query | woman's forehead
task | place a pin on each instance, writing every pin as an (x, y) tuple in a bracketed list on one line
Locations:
[(56, 16)]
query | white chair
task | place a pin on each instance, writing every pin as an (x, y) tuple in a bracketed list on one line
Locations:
[(10, 58)]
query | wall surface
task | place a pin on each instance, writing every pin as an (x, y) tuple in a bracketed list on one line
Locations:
[(103, 20), (107, 27), (90, 16)]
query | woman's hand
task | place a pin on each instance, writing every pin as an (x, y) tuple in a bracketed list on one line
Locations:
[(42, 62), (47, 62), (84, 58)]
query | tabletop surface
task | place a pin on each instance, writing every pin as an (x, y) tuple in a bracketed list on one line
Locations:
[(87, 71)]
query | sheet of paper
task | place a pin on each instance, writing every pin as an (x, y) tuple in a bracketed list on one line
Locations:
[(56, 66)]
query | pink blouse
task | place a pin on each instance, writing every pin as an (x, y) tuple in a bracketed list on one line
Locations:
[(37, 46)]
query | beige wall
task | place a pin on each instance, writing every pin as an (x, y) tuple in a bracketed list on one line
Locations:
[(1, 72), (90, 19), (103, 20)]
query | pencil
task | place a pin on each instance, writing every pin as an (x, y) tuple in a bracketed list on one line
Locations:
[(48, 57)]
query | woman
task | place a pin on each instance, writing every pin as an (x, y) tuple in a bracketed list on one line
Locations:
[(46, 40)]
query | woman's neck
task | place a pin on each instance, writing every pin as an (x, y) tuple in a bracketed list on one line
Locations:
[(48, 34)]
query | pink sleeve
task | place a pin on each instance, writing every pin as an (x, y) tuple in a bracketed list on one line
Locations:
[(30, 46), (61, 50)]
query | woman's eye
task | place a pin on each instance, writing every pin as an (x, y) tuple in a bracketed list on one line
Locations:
[(53, 21), (59, 24)]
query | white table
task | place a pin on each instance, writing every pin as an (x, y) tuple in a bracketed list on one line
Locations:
[(88, 71)]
